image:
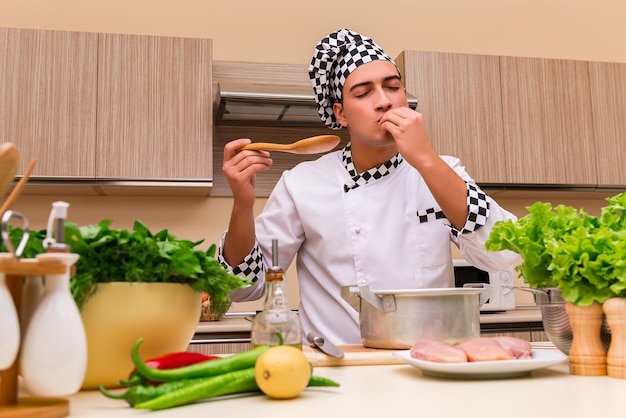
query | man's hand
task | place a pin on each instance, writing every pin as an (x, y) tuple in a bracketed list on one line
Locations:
[(240, 168), (408, 129)]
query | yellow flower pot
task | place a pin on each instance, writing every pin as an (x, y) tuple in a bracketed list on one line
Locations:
[(165, 315)]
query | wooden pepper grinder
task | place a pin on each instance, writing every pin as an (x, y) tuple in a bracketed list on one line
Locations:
[(587, 356), (615, 312)]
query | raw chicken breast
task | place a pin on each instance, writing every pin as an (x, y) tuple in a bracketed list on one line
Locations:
[(437, 351), (484, 349), (520, 348)]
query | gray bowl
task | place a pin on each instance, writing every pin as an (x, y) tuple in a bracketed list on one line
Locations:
[(556, 322)]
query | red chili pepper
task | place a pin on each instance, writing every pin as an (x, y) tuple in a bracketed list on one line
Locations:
[(167, 361)]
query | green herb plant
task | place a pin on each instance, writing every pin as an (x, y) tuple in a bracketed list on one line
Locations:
[(582, 255), (119, 255)]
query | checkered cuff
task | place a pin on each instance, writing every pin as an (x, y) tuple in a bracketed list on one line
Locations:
[(252, 266), (477, 205)]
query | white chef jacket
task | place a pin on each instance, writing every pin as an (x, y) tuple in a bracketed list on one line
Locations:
[(345, 235)]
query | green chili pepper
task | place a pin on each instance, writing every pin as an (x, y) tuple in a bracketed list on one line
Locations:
[(167, 361), (143, 393), (321, 381), (238, 381), (238, 361)]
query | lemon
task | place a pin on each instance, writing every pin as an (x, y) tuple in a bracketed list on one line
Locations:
[(282, 372)]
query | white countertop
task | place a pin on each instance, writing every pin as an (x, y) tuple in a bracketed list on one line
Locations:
[(379, 391)]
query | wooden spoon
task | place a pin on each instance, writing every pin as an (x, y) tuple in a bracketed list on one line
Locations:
[(18, 188), (9, 161), (312, 145)]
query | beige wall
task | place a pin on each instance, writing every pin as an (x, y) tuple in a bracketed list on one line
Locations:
[(279, 32), (285, 31)]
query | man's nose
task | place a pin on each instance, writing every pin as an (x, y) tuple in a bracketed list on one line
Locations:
[(382, 100)]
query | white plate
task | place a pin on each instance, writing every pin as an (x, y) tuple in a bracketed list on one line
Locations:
[(486, 369)]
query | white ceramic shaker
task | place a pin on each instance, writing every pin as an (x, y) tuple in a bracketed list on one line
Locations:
[(54, 351), (9, 324)]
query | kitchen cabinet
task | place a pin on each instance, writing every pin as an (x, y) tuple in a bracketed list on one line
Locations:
[(122, 114), (547, 118), (460, 98), (154, 108), (512, 120), (608, 98), (48, 82)]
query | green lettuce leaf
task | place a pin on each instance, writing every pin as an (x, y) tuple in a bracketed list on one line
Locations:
[(583, 255)]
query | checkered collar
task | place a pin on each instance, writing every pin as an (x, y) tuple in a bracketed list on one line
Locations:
[(372, 174)]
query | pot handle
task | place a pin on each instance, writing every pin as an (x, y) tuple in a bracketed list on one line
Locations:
[(544, 296), (384, 304), (484, 294), (351, 298)]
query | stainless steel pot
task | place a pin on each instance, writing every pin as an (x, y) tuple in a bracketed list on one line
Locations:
[(396, 319)]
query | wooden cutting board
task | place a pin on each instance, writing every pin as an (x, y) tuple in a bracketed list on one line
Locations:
[(354, 355)]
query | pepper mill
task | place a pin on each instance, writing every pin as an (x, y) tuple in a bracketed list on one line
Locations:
[(615, 312), (587, 356)]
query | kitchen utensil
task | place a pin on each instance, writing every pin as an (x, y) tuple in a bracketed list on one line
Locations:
[(6, 238), (615, 313), (396, 319), (327, 347), (18, 188), (354, 355), (9, 161), (313, 145), (587, 356)]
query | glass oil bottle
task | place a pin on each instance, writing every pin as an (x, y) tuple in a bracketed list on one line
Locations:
[(276, 321)]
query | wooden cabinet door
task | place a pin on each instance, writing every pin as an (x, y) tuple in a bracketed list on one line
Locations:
[(548, 126), (154, 108), (608, 96), (459, 96), (48, 100)]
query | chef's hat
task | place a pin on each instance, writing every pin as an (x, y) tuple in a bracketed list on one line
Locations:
[(336, 56)]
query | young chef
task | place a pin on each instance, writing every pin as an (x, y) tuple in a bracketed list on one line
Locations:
[(381, 211)]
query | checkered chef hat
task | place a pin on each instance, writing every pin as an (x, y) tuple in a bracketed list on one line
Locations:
[(336, 56)]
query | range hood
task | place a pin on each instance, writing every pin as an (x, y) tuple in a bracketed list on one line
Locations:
[(246, 103)]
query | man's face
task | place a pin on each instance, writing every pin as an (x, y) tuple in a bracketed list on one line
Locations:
[(368, 93)]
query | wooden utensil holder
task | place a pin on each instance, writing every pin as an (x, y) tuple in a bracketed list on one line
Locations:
[(615, 312), (10, 404), (587, 355)]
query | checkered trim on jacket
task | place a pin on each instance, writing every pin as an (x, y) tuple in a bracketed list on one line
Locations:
[(477, 205)]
